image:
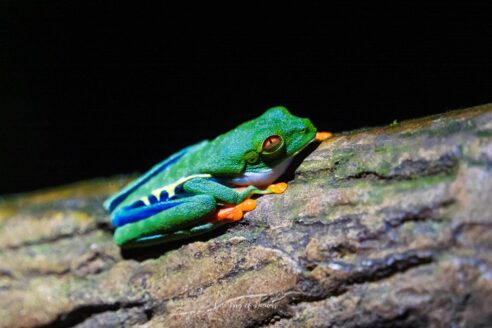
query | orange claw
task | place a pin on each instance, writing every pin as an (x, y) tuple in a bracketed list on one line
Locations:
[(235, 213), (322, 136), (278, 188)]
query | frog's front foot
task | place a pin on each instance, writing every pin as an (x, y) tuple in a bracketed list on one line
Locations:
[(277, 188), (322, 136), (235, 213)]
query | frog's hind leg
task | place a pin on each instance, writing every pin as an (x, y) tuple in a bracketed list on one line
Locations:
[(176, 235), (157, 228)]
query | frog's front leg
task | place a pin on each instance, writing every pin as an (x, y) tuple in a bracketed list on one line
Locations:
[(227, 195), (231, 196), (235, 213), (180, 213)]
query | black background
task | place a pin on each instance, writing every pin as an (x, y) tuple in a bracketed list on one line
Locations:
[(97, 88)]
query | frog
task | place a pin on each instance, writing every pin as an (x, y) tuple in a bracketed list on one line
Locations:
[(211, 183)]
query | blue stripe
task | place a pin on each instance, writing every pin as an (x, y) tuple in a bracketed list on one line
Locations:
[(111, 203), (139, 211)]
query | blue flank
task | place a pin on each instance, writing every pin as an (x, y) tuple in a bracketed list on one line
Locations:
[(139, 211), (117, 199)]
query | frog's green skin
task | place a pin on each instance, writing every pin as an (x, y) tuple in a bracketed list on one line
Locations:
[(172, 199)]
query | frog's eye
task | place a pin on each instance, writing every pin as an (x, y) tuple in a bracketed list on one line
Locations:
[(272, 144)]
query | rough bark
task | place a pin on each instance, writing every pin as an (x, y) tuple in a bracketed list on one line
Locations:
[(380, 227)]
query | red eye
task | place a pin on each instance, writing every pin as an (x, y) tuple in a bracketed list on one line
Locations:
[(272, 144)]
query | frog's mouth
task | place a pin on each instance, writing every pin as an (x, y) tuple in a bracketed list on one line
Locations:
[(318, 137)]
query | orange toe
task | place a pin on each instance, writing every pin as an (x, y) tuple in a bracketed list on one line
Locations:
[(278, 188), (235, 213), (248, 205), (322, 136)]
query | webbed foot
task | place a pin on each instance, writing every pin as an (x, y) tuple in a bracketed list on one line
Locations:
[(235, 213), (277, 188)]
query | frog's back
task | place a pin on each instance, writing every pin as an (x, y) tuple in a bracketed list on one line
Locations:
[(181, 164)]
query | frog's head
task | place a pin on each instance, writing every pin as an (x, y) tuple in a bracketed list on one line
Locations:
[(278, 135), (263, 147)]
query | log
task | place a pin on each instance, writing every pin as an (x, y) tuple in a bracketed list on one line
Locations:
[(380, 227)]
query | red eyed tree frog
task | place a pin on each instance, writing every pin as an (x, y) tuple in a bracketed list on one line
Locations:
[(208, 184)]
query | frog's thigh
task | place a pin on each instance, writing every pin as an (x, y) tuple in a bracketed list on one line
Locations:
[(190, 210), (223, 194)]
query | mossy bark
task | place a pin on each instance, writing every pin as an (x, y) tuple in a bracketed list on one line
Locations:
[(380, 227)]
